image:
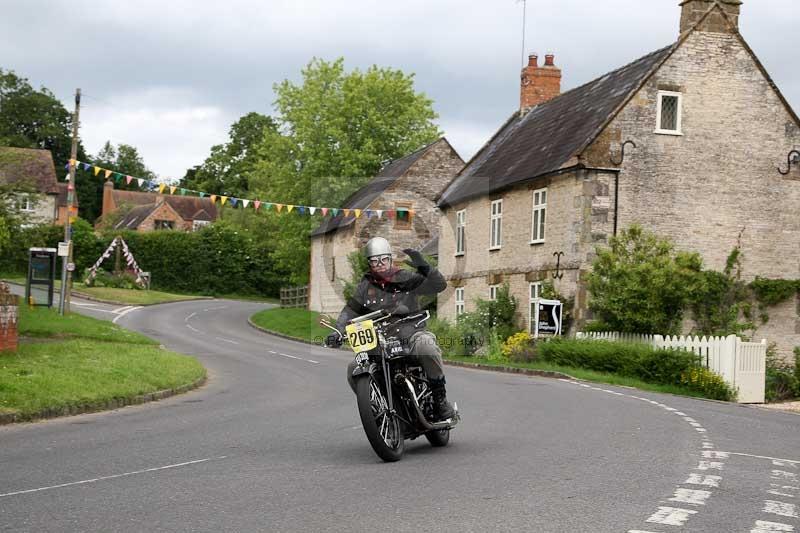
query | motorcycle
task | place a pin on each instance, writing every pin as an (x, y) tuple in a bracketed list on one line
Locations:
[(393, 393)]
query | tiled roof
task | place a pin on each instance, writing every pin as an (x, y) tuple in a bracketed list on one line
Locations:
[(30, 167), (545, 138), (185, 206), (363, 197), (135, 216)]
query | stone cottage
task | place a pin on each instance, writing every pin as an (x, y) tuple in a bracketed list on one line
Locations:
[(149, 211), (41, 199), (691, 141), (406, 188)]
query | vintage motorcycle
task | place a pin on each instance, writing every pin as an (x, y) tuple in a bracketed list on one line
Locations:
[(393, 393)]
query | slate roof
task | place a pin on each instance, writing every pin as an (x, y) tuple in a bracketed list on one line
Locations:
[(363, 197), (135, 216), (545, 138), (28, 166)]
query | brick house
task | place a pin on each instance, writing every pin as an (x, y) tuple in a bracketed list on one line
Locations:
[(148, 211), (41, 198), (409, 184), (710, 129)]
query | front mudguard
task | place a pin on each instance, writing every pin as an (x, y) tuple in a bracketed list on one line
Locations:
[(363, 369)]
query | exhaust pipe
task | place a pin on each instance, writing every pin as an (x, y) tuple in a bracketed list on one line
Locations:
[(434, 426)]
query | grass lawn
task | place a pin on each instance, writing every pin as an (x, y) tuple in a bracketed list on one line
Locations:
[(76, 361), (134, 297), (299, 323)]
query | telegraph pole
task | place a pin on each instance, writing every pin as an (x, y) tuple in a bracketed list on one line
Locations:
[(66, 274)]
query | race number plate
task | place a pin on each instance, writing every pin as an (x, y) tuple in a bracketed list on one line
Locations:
[(362, 336)]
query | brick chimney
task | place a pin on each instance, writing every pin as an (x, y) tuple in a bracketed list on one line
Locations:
[(539, 84), (108, 198), (694, 10)]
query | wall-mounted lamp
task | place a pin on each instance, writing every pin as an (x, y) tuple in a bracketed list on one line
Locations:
[(793, 157)]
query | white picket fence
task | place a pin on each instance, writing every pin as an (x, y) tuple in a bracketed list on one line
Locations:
[(741, 364)]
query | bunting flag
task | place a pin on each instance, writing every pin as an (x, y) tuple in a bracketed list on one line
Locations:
[(129, 260), (405, 214)]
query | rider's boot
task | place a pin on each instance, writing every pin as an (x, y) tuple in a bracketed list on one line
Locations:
[(442, 410)]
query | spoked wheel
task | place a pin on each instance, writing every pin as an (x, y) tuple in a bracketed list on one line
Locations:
[(438, 438), (382, 428)]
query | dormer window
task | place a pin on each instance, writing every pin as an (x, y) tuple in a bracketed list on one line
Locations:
[(668, 114)]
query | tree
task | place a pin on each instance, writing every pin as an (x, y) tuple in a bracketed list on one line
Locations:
[(34, 119), (640, 284), (124, 159), (225, 170), (336, 130)]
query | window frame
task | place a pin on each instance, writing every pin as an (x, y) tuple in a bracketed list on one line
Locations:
[(24, 203), (461, 232), (496, 221), (158, 224), (493, 289), (536, 209), (531, 299), (402, 206), (678, 131), (199, 224), (460, 303)]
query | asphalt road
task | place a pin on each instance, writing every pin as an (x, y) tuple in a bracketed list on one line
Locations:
[(273, 443)]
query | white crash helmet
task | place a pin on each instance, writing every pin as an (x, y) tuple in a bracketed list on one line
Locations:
[(377, 246)]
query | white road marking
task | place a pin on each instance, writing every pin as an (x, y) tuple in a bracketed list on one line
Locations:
[(781, 508), (715, 455), (121, 309), (270, 351), (94, 480), (765, 457), (784, 475), (216, 308), (193, 329), (312, 361), (84, 304), (709, 465), (290, 356), (226, 340), (122, 314), (775, 492), (767, 527), (701, 479), (784, 464), (671, 516), (690, 496), (189, 317)]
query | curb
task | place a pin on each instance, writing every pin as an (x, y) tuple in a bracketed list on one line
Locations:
[(511, 370), (84, 296), (108, 405), (284, 336)]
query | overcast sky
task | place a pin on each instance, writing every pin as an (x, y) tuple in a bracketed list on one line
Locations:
[(171, 76)]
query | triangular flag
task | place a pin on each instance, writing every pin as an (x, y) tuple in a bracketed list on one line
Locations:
[(279, 207), (324, 211), (223, 199), (140, 181), (301, 209), (380, 212), (161, 188), (66, 178), (312, 209), (73, 162), (347, 212), (128, 179), (86, 166), (117, 176), (245, 203), (183, 191), (256, 204), (234, 201), (358, 212), (66, 167), (108, 173), (289, 208), (97, 170), (390, 213), (268, 205), (203, 195), (213, 198), (335, 211), (172, 189)]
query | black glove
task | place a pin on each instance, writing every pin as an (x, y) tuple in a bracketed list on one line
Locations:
[(334, 340), (417, 261)]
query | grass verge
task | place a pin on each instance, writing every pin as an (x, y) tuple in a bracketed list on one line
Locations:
[(82, 363), (298, 323)]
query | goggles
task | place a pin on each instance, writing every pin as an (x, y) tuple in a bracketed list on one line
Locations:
[(380, 260)]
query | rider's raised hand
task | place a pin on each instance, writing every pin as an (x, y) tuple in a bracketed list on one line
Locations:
[(417, 261)]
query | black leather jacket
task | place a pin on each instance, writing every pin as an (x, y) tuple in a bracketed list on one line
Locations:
[(402, 287)]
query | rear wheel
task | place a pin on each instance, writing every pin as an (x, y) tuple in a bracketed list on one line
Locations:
[(438, 438), (381, 427)]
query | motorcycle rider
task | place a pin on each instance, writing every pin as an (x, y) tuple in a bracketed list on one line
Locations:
[(386, 287)]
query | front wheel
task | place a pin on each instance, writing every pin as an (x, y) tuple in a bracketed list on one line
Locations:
[(381, 427), (438, 438)]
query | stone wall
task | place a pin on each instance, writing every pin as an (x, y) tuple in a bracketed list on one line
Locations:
[(164, 212)]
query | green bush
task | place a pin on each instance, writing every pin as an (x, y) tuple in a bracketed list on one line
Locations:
[(451, 339), (491, 317), (668, 367), (783, 379)]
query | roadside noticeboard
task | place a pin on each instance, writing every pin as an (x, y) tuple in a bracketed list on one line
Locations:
[(547, 317)]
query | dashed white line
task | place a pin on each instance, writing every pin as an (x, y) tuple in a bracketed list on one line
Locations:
[(94, 480), (189, 317), (700, 479), (767, 527), (781, 508), (690, 496), (226, 340), (671, 516), (193, 328), (791, 461), (122, 314)]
